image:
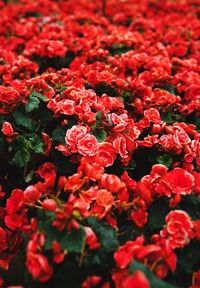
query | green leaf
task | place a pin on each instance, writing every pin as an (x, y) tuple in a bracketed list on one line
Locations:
[(39, 96), (197, 122), (169, 117), (154, 281), (59, 135), (74, 240), (28, 177), (21, 158), (32, 104), (106, 234), (20, 142), (100, 135), (191, 205), (125, 94), (98, 118), (22, 119), (171, 89), (63, 88), (36, 145), (119, 49), (165, 159), (157, 213)]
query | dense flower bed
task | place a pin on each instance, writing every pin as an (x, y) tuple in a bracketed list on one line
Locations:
[(100, 143)]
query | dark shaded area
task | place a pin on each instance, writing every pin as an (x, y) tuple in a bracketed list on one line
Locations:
[(55, 62)]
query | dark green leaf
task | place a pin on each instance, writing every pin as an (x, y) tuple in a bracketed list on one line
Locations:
[(119, 49), (74, 240), (157, 213), (22, 119), (28, 177), (2, 144), (165, 159), (63, 88), (197, 122), (59, 135), (106, 234), (191, 205), (32, 104), (100, 135), (20, 142), (21, 158), (125, 94), (39, 96), (171, 89), (36, 145), (169, 117)]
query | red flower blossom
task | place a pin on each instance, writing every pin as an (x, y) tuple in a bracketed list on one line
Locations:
[(91, 238), (32, 194), (49, 205), (7, 129), (177, 181), (91, 281), (87, 145), (153, 115), (111, 182), (178, 229), (106, 155), (39, 266), (72, 135), (135, 280), (195, 280), (15, 210)]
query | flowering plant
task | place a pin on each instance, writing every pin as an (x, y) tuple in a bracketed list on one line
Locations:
[(100, 144)]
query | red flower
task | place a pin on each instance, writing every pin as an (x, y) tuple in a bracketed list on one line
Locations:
[(87, 145), (144, 192), (153, 116), (48, 172), (91, 281), (196, 176), (58, 255), (32, 194), (111, 182), (181, 137), (119, 121), (139, 217), (126, 252), (177, 181), (47, 144), (195, 280), (3, 242), (119, 145), (49, 205), (178, 229), (39, 266), (92, 170), (135, 280), (123, 279), (73, 133), (65, 107), (104, 198), (91, 238), (7, 129), (106, 155), (197, 229)]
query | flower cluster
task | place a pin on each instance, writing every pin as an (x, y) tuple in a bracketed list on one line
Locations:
[(100, 143)]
